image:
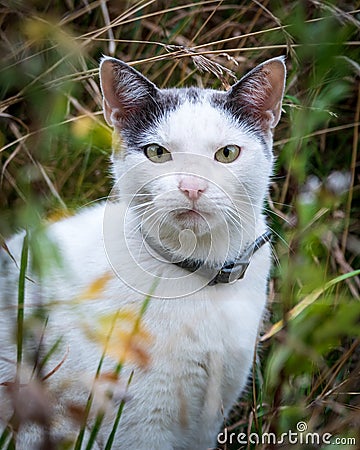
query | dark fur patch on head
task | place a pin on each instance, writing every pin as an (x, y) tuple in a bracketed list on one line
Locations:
[(192, 94), (154, 110), (221, 101), (135, 125)]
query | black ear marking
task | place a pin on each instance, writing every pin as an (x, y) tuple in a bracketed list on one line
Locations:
[(125, 91), (260, 92)]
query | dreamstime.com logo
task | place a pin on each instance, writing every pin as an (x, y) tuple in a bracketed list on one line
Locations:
[(300, 436)]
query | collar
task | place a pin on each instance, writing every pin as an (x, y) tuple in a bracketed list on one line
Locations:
[(228, 273)]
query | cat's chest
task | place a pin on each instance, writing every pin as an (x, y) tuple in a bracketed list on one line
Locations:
[(202, 347), (206, 331)]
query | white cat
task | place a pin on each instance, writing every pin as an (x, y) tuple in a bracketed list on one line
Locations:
[(191, 170)]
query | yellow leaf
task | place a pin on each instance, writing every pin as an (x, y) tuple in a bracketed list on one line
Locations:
[(123, 337), (96, 288)]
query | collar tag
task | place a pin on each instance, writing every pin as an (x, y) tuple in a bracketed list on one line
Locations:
[(229, 274), (235, 270)]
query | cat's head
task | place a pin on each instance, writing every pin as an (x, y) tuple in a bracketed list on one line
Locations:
[(192, 158)]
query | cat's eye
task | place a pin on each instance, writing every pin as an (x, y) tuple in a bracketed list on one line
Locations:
[(157, 154), (227, 154)]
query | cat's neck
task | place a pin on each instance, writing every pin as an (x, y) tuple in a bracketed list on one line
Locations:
[(215, 248)]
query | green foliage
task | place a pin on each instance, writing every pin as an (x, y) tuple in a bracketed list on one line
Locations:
[(56, 146)]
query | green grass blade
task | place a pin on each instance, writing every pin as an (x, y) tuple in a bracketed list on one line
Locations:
[(21, 299), (95, 430), (111, 437), (20, 330), (307, 301), (48, 355), (3, 438), (81, 434), (12, 445)]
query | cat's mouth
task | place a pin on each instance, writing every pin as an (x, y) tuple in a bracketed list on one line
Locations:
[(189, 213), (192, 218)]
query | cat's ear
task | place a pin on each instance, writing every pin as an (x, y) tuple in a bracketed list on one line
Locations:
[(125, 91), (260, 92)]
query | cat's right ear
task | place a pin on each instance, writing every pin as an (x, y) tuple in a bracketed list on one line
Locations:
[(125, 91), (259, 94)]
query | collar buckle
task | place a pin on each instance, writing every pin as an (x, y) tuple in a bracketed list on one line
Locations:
[(230, 273), (235, 270)]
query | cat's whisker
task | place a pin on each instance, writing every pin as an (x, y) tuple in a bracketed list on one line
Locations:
[(278, 214), (100, 199), (274, 256), (240, 200), (135, 195), (234, 218), (139, 211), (282, 205), (272, 231), (141, 206), (244, 213), (242, 224), (280, 238), (150, 213), (239, 217), (150, 229), (238, 222)]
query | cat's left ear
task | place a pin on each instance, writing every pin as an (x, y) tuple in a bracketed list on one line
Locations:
[(125, 91), (259, 94)]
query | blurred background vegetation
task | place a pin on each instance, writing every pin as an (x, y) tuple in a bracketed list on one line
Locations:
[(55, 149)]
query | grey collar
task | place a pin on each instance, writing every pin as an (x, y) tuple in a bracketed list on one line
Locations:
[(228, 273)]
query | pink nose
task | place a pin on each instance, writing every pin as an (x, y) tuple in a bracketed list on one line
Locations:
[(193, 186)]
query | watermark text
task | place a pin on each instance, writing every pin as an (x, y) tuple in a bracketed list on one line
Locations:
[(300, 436)]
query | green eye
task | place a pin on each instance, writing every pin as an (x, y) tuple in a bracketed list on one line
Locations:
[(227, 154), (157, 154)]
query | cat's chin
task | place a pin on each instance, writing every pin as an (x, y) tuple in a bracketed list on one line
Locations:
[(198, 222)]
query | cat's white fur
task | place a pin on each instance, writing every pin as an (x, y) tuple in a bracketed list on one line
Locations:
[(202, 337)]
